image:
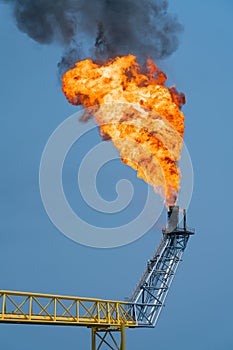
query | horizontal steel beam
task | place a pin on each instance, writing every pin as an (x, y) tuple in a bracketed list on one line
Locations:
[(36, 308)]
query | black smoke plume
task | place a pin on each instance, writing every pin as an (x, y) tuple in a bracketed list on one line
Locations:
[(102, 28)]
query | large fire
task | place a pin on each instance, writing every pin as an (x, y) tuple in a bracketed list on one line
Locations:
[(137, 112)]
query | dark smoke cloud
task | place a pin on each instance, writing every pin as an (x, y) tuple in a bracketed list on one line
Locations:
[(46, 21), (106, 28)]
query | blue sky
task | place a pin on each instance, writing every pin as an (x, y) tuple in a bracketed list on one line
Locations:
[(36, 257)]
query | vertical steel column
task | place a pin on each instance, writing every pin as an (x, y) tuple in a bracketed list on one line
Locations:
[(93, 338), (107, 338), (123, 344)]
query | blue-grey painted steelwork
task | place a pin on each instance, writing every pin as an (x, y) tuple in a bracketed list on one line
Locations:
[(148, 299)]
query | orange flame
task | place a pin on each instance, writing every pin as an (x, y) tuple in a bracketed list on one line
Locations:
[(137, 112)]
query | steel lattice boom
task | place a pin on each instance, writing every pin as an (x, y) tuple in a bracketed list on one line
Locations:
[(149, 296)]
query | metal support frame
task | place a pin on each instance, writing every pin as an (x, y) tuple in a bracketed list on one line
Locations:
[(113, 339), (107, 318), (148, 299)]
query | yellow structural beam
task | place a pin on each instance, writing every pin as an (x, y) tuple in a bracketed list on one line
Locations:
[(20, 307)]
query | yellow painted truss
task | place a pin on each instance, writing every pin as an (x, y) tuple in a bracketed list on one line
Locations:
[(20, 307)]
